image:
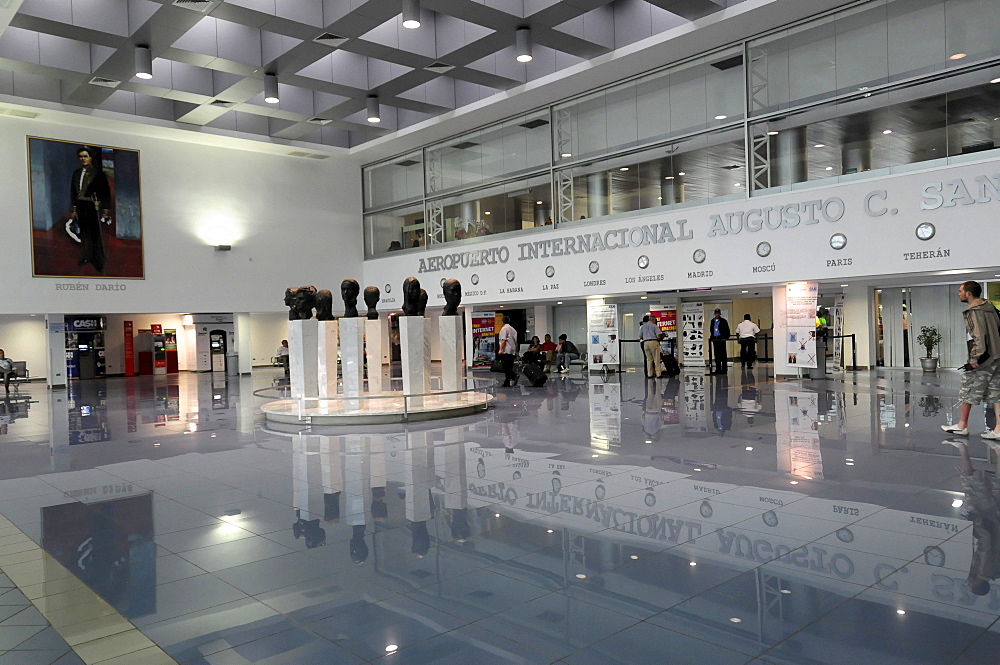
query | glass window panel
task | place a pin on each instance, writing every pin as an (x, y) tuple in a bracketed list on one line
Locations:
[(492, 153), (915, 17), (394, 182), (513, 206), (705, 168), (394, 230), (972, 28)]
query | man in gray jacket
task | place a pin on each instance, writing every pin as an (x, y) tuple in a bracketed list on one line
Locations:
[(6, 370), (981, 381)]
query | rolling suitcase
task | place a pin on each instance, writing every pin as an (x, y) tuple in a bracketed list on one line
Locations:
[(670, 366), (534, 374)]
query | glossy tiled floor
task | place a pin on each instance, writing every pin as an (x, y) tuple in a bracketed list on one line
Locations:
[(702, 520)]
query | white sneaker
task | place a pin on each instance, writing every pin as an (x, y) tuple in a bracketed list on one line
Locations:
[(565, 370), (955, 430), (990, 435), (958, 443)]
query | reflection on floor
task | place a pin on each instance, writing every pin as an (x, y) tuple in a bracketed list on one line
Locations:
[(722, 519)]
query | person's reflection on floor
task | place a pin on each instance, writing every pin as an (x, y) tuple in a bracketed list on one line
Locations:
[(749, 397), (420, 539), (460, 529), (652, 411), (359, 548), (982, 496), (314, 534), (380, 510), (722, 413)]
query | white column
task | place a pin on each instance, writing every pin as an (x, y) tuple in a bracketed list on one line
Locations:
[(352, 345), (373, 346), (452, 345), (55, 346), (328, 343), (413, 353), (302, 336), (428, 325), (244, 342), (859, 309)]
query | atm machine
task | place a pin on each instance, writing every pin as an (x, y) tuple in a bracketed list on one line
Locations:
[(217, 345), (152, 351)]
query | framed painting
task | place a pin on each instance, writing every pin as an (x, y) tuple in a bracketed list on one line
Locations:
[(86, 210)]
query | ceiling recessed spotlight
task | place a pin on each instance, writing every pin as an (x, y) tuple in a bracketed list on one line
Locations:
[(849, 463), (721, 117), (736, 620), (957, 56), (669, 177), (887, 131), (693, 563), (681, 173), (390, 648), (843, 286), (829, 168), (634, 557), (737, 184), (624, 168), (566, 155), (772, 133), (643, 297), (996, 80), (538, 203), (659, 198), (786, 591), (957, 503), (487, 213), (581, 576), (549, 531), (559, 303), (748, 448), (793, 482), (595, 455), (900, 612), (496, 514), (697, 469), (820, 145)]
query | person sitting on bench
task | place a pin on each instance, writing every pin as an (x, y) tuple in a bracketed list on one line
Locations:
[(566, 352)]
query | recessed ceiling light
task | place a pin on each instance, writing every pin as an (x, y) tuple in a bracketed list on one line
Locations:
[(820, 145), (693, 563), (624, 168), (634, 557), (566, 155), (996, 80), (744, 292), (957, 56), (772, 133), (749, 448), (496, 514), (669, 177), (900, 612), (697, 469), (487, 212), (559, 303), (389, 648), (595, 455), (829, 168), (681, 173), (659, 198), (793, 482), (643, 297), (957, 503), (549, 531), (721, 117), (736, 620), (887, 131), (843, 285), (538, 203), (581, 576), (786, 591), (849, 463)]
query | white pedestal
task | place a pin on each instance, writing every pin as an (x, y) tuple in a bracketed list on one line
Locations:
[(373, 343), (328, 343), (414, 356), (352, 345), (302, 351), (450, 329)]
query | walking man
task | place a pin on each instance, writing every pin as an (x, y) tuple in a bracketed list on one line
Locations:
[(507, 352), (981, 381), (6, 370), (649, 337), (747, 331), (720, 335)]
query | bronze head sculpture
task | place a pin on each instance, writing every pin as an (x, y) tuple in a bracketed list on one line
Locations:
[(349, 290), (301, 299), (372, 295), (452, 296), (411, 297), (324, 305)]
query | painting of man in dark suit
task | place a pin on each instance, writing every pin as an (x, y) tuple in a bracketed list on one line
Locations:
[(85, 210)]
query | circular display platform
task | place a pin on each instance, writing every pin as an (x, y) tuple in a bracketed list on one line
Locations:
[(385, 408)]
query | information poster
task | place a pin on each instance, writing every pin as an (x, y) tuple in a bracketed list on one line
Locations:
[(693, 333), (602, 335), (837, 331), (484, 338), (800, 317)]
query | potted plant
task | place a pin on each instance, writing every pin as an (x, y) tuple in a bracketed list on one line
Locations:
[(929, 338)]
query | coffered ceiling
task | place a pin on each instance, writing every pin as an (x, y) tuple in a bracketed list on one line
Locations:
[(210, 57)]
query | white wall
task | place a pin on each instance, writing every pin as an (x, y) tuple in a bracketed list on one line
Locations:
[(23, 338), (114, 338), (288, 218), (267, 329)]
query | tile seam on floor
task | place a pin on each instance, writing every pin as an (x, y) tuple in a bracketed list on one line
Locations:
[(91, 651)]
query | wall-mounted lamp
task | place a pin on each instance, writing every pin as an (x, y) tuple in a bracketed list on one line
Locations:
[(270, 88), (373, 109), (143, 63), (522, 41), (223, 248), (411, 14)]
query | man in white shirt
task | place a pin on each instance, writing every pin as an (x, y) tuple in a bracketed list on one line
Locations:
[(649, 338), (747, 332), (282, 355), (507, 352)]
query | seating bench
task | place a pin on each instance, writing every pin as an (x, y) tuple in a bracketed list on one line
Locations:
[(20, 375)]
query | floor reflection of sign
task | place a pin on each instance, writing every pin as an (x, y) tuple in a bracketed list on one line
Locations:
[(797, 428), (605, 413), (694, 403), (108, 544)]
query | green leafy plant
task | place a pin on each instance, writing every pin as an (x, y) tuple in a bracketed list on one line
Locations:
[(929, 338)]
